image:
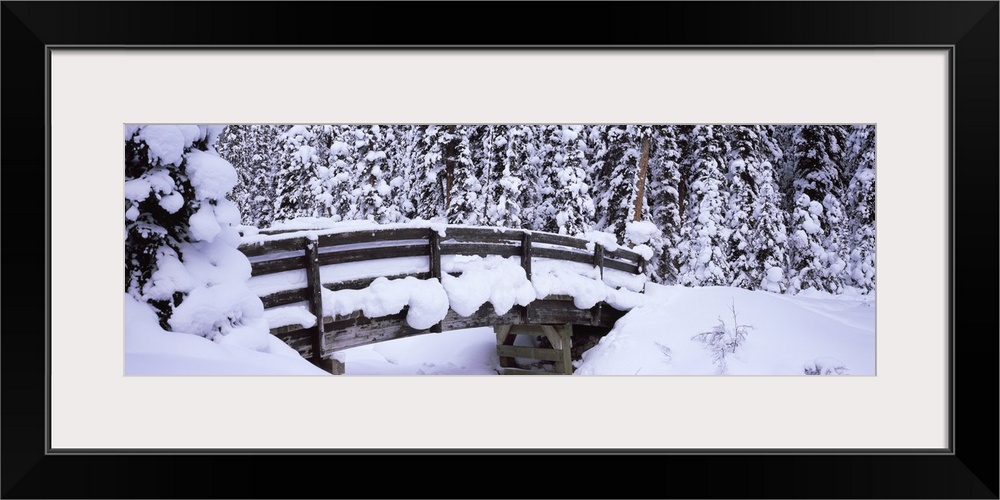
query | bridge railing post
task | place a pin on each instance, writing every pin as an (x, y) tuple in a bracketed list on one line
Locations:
[(434, 241), (526, 254), (526, 265), (599, 258), (315, 298)]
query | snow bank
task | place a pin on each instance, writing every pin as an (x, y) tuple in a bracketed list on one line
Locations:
[(456, 352), (226, 309), (151, 350), (791, 335)]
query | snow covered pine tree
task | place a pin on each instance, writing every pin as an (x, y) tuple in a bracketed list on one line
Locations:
[(181, 253)]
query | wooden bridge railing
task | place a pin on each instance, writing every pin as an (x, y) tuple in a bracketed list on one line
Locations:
[(333, 333)]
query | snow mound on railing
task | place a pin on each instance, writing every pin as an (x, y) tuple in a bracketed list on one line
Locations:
[(427, 300), (582, 282), (499, 281), (606, 240)]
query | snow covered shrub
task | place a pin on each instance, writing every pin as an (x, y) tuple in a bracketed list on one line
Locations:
[(668, 354), (825, 366), (181, 240), (724, 339)]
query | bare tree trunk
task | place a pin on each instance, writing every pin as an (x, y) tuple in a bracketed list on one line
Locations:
[(640, 191)]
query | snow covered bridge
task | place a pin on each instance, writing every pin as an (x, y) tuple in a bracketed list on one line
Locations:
[(370, 284)]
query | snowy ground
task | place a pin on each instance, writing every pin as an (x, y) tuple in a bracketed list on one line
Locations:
[(790, 335)]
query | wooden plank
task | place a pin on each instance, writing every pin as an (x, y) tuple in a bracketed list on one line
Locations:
[(334, 325), (280, 231), (285, 297), (483, 235), (623, 254), (362, 254), (621, 266), (558, 239), (518, 351), (504, 338), (315, 298), (480, 249), (577, 243), (501, 332), (300, 340), (557, 312), (556, 296), (362, 283), (526, 254), (565, 364), (485, 316), (280, 330), (268, 247), (521, 371), (483, 238), (333, 366), (568, 255), (554, 337), (373, 235), (275, 266), (527, 329), (363, 331), (607, 316)]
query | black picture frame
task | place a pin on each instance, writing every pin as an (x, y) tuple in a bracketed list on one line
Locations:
[(967, 470)]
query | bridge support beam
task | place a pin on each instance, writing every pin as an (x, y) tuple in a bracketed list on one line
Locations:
[(333, 365), (559, 336)]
